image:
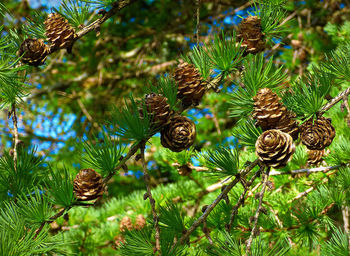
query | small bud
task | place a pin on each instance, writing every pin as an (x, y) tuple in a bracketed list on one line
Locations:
[(204, 208), (263, 210), (138, 157), (257, 195)]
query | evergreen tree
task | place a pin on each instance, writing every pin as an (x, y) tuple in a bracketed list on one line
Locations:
[(279, 188)]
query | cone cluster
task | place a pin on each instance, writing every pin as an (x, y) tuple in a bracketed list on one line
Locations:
[(157, 108), (88, 185), (274, 148), (34, 52), (191, 86), (317, 134), (250, 32), (270, 113), (179, 134), (315, 156), (59, 32)]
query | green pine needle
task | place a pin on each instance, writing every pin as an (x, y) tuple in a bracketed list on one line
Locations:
[(222, 161), (167, 87), (77, 12), (256, 75), (60, 187), (271, 14), (103, 156), (35, 28), (307, 96), (338, 245), (247, 133), (129, 122), (100, 3), (225, 53), (338, 62), (200, 58), (171, 218), (35, 207), (138, 243)]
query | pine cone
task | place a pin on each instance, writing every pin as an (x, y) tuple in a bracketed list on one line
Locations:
[(179, 134), (317, 134), (34, 52), (249, 31), (125, 224), (157, 108), (191, 86), (140, 222), (270, 113), (59, 32), (274, 148), (315, 156), (88, 185)]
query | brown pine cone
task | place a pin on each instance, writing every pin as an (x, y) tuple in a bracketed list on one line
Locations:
[(88, 185), (59, 32), (157, 108), (270, 113), (315, 156), (274, 148), (191, 86), (179, 134), (125, 224), (34, 52), (250, 32), (140, 222), (317, 134)]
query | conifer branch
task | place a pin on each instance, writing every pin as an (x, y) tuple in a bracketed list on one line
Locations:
[(150, 197), (334, 101), (227, 189), (257, 213), (117, 6), (242, 198)]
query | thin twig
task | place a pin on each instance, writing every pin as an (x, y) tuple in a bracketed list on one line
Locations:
[(306, 170), (150, 197), (334, 101), (242, 198), (131, 152), (15, 129), (198, 24), (203, 217), (313, 186), (52, 219), (257, 213)]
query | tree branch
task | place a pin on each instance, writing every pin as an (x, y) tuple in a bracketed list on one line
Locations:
[(334, 101), (307, 170), (150, 197), (227, 189), (257, 213), (242, 198), (15, 129)]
